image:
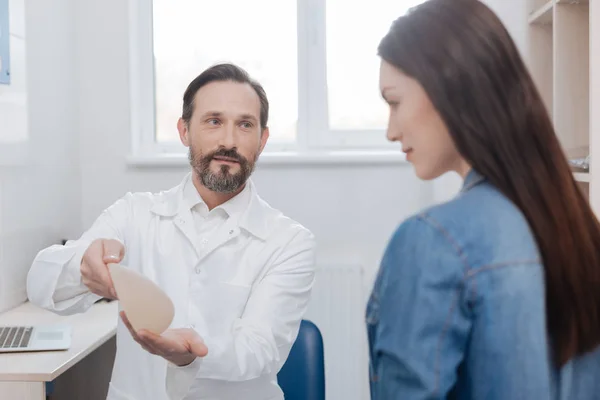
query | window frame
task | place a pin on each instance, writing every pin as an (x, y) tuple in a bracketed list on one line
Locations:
[(313, 134)]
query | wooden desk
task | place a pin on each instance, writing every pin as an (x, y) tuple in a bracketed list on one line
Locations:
[(23, 375)]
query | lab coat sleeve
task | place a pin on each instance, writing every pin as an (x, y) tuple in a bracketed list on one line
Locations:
[(54, 279), (260, 341)]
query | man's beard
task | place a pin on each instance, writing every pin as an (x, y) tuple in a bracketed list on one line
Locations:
[(223, 181)]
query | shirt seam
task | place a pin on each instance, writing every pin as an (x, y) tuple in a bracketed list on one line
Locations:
[(462, 256), (468, 273), (438, 227), (489, 267), (514, 263), (471, 185)]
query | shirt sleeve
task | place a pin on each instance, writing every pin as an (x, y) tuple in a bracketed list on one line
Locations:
[(418, 326), (54, 279)]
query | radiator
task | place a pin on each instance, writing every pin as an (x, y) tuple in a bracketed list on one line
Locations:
[(337, 307)]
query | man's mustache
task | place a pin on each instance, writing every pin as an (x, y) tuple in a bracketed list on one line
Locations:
[(228, 153)]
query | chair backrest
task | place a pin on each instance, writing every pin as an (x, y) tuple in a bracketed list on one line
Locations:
[(302, 377)]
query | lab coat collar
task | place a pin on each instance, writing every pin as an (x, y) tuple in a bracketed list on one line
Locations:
[(255, 219)]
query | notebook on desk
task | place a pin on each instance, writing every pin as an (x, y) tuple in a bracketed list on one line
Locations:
[(34, 338)]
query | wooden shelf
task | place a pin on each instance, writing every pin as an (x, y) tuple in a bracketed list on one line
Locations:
[(542, 15), (582, 176), (571, 88), (565, 65)]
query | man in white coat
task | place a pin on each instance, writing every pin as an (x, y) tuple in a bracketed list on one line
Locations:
[(238, 271)]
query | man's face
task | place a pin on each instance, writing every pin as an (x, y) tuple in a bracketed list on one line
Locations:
[(224, 135)]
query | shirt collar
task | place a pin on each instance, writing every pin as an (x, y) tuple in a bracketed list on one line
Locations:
[(233, 207), (472, 179), (255, 214), (191, 197), (238, 204)]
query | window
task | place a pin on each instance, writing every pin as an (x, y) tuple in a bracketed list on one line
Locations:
[(259, 35), (317, 60)]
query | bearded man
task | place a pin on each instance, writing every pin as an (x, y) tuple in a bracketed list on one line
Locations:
[(239, 272)]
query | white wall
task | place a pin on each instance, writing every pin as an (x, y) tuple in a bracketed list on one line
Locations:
[(40, 191)]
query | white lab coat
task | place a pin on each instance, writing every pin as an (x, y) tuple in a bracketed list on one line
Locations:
[(252, 289)]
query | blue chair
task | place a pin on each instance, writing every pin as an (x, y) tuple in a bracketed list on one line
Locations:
[(49, 389), (302, 377)]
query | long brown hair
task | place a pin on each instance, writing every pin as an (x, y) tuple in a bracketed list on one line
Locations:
[(466, 61)]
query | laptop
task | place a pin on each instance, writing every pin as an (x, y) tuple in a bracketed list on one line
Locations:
[(34, 338)]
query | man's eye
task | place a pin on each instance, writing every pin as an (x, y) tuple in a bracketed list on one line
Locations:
[(213, 121)]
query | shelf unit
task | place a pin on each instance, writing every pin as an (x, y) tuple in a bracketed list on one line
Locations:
[(565, 63), (583, 177), (542, 14)]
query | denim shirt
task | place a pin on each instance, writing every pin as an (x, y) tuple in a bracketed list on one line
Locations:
[(458, 310)]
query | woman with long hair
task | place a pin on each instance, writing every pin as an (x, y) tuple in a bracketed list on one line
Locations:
[(496, 293)]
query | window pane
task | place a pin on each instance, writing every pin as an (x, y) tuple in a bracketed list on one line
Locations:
[(259, 36), (352, 62)]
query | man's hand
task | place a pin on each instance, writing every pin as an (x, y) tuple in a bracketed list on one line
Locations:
[(178, 346), (94, 266)]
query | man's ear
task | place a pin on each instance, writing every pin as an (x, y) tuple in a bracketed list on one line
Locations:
[(182, 127), (264, 137)]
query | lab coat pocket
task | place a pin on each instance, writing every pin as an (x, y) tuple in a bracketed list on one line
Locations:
[(221, 304)]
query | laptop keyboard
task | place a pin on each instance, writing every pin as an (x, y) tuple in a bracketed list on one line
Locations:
[(15, 336)]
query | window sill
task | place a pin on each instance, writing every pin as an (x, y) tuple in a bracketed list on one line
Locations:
[(283, 158)]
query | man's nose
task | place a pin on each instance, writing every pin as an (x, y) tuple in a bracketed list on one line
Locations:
[(228, 136)]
